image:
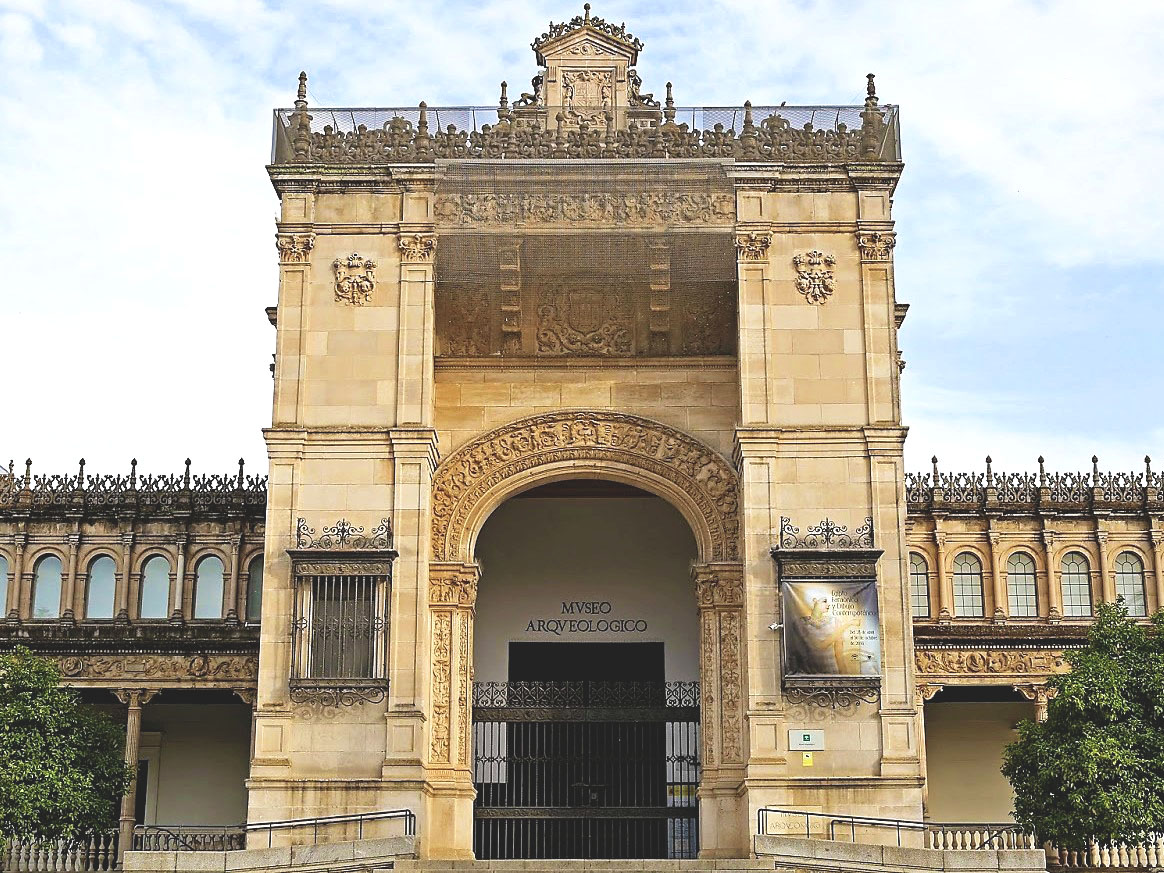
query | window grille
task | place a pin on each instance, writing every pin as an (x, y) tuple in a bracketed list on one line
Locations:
[(1020, 586), (340, 628), (919, 586), (968, 601), (1129, 579), (1076, 582)]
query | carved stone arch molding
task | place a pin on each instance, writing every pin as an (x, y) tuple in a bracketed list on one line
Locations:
[(471, 482)]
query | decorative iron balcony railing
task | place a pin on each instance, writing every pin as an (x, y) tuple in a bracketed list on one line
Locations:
[(1034, 491), (765, 134)]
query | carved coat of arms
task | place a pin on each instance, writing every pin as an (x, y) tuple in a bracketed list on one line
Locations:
[(587, 93), (584, 321), (354, 279)]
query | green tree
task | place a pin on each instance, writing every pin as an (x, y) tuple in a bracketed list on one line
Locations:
[(1094, 770), (62, 765)]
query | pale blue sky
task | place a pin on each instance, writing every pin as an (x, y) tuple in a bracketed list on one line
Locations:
[(137, 222)]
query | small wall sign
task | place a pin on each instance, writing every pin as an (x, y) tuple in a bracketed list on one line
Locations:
[(806, 740)]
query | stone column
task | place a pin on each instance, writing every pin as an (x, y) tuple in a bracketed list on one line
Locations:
[(123, 590), (1054, 589), (923, 692), (69, 608), (945, 585), (452, 599), (997, 580), (14, 604), (230, 598), (1157, 540), (1107, 592), (134, 699), (178, 582)]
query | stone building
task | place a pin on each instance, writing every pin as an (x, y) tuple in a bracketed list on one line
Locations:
[(586, 530)]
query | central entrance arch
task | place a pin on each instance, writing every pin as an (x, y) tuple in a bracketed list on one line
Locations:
[(585, 444)]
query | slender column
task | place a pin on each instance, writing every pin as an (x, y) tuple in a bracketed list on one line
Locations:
[(1157, 539), (923, 692), (1054, 589), (945, 586), (69, 608), (18, 571), (134, 699), (123, 592), (178, 582), (1106, 582), (230, 598), (997, 580)]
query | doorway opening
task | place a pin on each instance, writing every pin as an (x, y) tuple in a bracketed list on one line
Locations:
[(586, 712)]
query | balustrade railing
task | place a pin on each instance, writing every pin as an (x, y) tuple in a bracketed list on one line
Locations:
[(1148, 855), (87, 854), (978, 835), (188, 838)]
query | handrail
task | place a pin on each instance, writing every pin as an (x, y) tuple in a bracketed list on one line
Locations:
[(833, 820), (271, 826)]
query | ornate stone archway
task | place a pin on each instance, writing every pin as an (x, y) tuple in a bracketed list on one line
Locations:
[(472, 481), (476, 478)]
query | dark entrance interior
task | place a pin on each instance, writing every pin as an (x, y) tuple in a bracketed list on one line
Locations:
[(585, 753)]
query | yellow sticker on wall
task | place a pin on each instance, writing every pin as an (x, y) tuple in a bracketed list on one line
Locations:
[(806, 759)]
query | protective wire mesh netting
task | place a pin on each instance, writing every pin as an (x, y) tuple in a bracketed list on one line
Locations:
[(592, 258)]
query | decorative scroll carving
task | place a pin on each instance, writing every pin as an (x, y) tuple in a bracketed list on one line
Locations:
[(344, 535), (719, 589), (467, 475), (417, 248), (442, 665), (294, 248), (585, 21), (334, 694), (597, 207), (936, 662), (355, 279), (753, 246), (814, 276), (179, 667), (839, 697), (876, 245), (586, 94), (730, 682), (464, 671), (584, 321), (826, 534)]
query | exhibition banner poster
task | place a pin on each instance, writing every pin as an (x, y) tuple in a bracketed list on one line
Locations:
[(831, 629)]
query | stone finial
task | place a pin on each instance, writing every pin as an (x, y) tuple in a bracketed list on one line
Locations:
[(186, 475), (241, 465), (1148, 466), (27, 471), (669, 106), (80, 472), (870, 91), (503, 104), (934, 461), (133, 473), (585, 13), (1042, 472), (301, 93), (989, 471), (1094, 468)]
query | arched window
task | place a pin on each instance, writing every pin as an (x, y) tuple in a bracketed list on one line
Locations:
[(102, 581), (46, 588), (255, 590), (1021, 590), (1129, 582), (1076, 585), (919, 586), (968, 586), (3, 586), (155, 588), (208, 585)]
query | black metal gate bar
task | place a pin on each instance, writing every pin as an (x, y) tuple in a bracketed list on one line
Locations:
[(586, 769)]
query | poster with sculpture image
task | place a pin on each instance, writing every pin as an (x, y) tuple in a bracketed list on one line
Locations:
[(831, 629)]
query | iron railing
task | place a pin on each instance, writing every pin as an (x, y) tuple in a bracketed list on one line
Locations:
[(406, 816), (829, 822)]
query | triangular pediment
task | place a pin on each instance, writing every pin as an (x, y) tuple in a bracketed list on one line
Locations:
[(583, 34)]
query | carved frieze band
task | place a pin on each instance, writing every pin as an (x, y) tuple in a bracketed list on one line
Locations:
[(1013, 662), (294, 248), (697, 471), (876, 245), (168, 667), (753, 246), (417, 248), (594, 208), (355, 279), (814, 275)]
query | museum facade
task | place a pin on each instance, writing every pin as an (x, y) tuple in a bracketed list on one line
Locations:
[(586, 530)]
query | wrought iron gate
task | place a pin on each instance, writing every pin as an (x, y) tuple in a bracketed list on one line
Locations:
[(586, 769)]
